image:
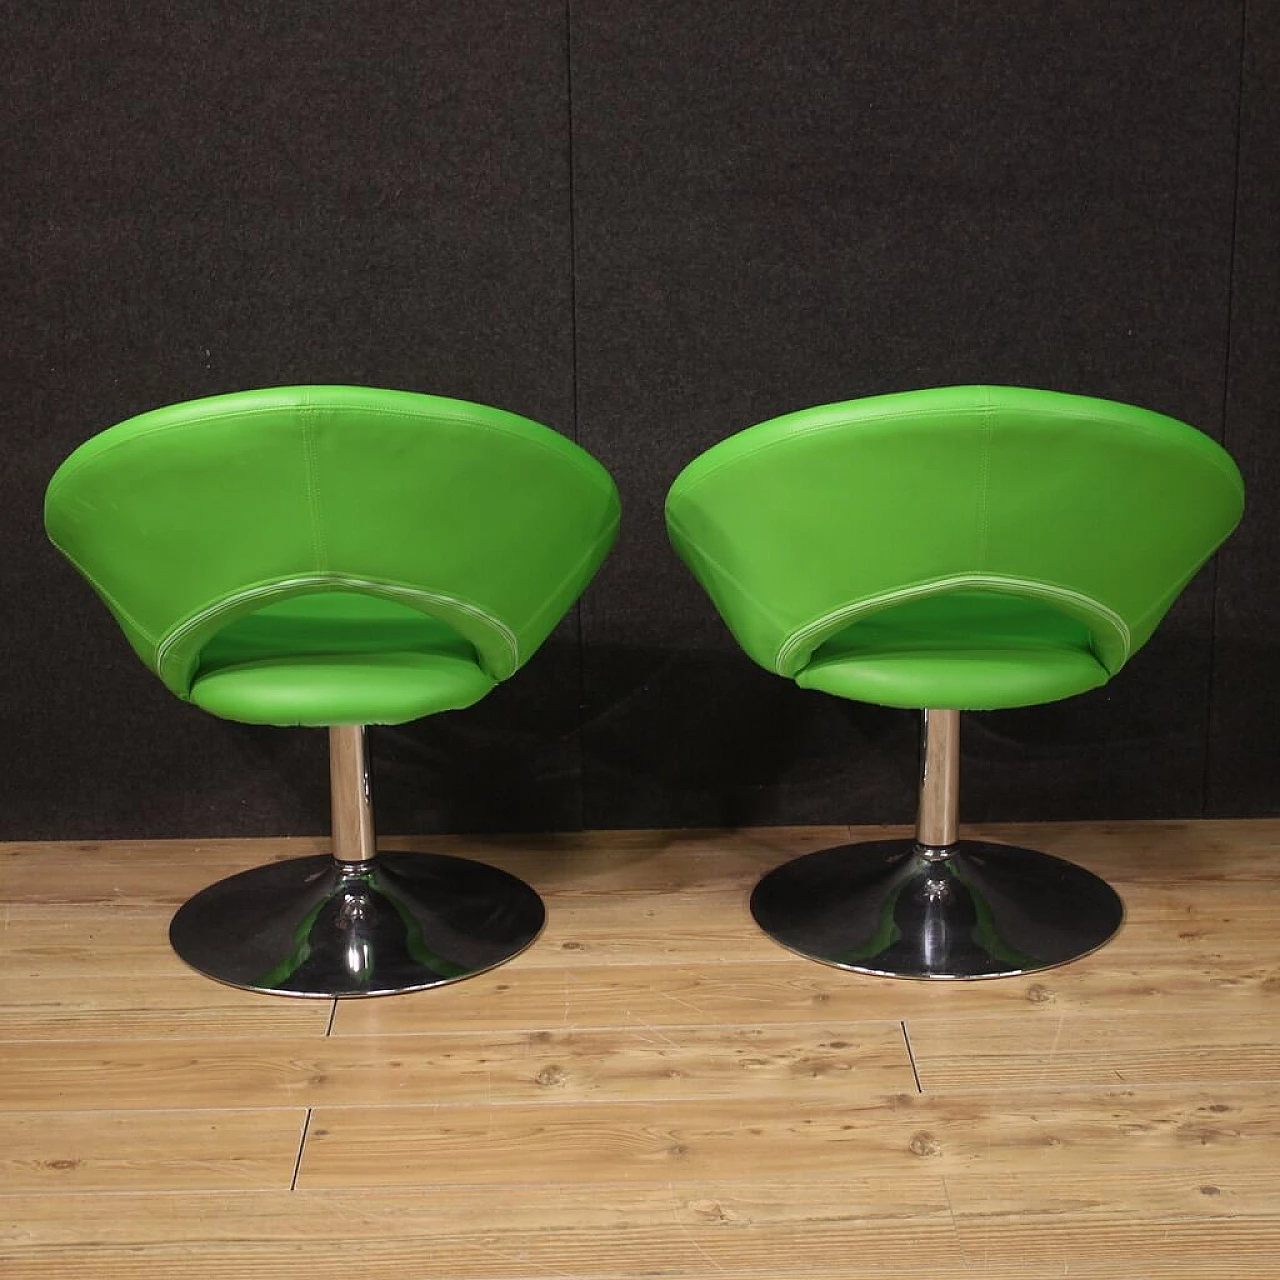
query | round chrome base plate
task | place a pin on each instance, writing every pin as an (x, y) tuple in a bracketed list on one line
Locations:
[(982, 911), (317, 927)]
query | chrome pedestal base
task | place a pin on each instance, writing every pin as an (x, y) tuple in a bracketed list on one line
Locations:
[(319, 927), (967, 910)]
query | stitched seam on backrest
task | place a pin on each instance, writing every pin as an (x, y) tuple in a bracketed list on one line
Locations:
[(604, 539), (319, 551), (899, 595), (984, 481), (674, 524), (111, 601), (184, 628)]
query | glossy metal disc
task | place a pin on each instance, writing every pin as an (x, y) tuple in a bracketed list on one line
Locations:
[(890, 908), (316, 927)]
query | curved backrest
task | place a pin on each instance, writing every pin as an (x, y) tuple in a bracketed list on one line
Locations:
[(801, 525), (189, 517)]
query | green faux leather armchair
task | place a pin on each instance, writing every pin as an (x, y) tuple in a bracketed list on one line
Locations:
[(338, 556), (958, 548)]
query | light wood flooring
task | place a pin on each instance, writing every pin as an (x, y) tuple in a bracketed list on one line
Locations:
[(653, 1089)]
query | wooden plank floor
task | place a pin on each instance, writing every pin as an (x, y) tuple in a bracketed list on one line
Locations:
[(654, 1089)]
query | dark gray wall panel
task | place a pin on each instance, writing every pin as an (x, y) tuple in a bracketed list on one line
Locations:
[(1243, 776), (774, 206), (778, 206), (208, 197)]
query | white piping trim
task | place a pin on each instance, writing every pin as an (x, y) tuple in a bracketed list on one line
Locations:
[(166, 645), (873, 603)]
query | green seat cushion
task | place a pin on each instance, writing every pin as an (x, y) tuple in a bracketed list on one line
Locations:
[(336, 658), (968, 650)]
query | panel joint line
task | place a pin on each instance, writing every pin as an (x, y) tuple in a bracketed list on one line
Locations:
[(911, 1057), (302, 1142)]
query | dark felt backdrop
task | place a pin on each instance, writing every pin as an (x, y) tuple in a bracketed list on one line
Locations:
[(648, 226)]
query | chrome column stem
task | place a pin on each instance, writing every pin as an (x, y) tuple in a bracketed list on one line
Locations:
[(351, 800), (936, 818)]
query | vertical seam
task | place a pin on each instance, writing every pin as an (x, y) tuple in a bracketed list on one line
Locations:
[(319, 550), (984, 481)]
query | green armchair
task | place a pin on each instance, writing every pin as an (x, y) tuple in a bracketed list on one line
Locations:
[(338, 556), (958, 548)]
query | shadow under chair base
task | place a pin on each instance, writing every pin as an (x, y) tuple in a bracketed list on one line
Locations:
[(936, 906), (359, 922)]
